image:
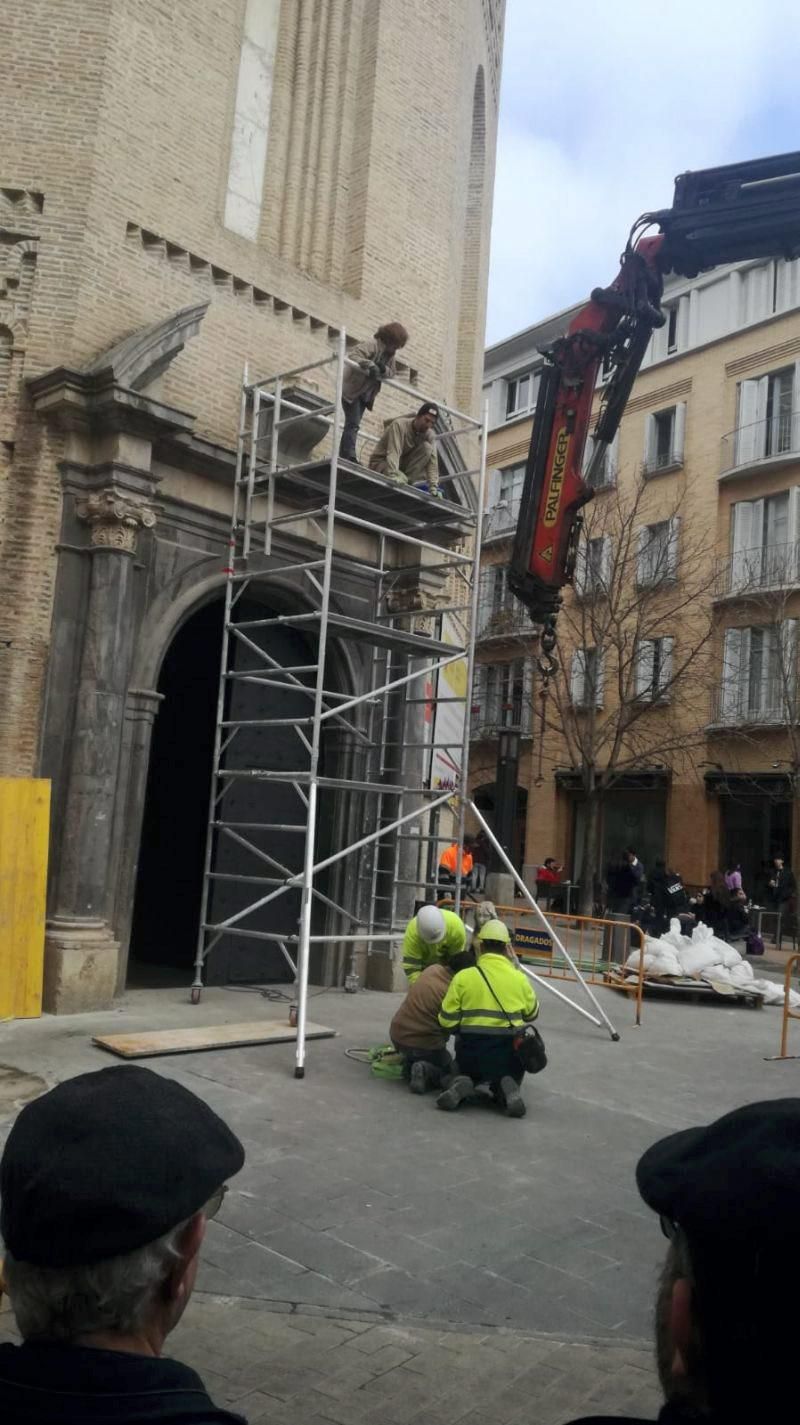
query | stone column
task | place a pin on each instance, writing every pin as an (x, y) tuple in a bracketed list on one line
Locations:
[(81, 953), (141, 710)]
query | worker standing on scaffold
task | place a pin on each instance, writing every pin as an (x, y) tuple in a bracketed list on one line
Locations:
[(362, 382), (432, 937)]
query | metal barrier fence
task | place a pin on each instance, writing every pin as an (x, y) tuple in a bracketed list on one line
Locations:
[(598, 947)]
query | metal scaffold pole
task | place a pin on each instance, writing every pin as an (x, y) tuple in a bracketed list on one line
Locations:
[(303, 953)]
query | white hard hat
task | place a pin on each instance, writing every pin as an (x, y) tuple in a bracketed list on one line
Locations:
[(430, 924)]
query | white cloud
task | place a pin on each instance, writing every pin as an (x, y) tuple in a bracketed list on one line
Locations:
[(601, 107)]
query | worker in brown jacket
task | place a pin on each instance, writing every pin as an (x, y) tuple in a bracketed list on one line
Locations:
[(361, 382), (406, 452), (416, 1032)]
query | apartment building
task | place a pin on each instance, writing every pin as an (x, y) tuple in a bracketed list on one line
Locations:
[(697, 516)]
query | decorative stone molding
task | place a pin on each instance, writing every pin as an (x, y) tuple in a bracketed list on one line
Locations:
[(220, 280), (115, 519)]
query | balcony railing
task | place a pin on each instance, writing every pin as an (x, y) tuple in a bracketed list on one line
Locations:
[(762, 440), (766, 704), (486, 722), (501, 519), (507, 620), (661, 460), (775, 566)]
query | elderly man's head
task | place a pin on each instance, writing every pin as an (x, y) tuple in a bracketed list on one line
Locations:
[(106, 1185), (727, 1198)]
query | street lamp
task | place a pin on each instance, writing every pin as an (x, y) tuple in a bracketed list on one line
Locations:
[(505, 800)]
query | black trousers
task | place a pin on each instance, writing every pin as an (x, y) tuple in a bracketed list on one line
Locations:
[(353, 414), (488, 1058), (438, 1059)]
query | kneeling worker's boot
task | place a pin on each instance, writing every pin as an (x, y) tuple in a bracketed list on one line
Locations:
[(460, 1088), (512, 1098), (423, 1077)]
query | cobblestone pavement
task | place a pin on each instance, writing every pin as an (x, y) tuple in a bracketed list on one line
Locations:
[(300, 1368), (360, 1201)]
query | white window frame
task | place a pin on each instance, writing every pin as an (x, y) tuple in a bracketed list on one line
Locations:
[(533, 376), (673, 458), (579, 676), (588, 582), (759, 696), (653, 669), (761, 432), (756, 562), (610, 466), (649, 573)]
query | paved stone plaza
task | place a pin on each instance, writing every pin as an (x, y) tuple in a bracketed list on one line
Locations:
[(377, 1259)]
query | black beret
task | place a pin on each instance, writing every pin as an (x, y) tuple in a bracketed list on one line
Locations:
[(734, 1182), (106, 1163)]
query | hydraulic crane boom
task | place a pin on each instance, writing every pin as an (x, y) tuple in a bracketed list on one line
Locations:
[(729, 214)]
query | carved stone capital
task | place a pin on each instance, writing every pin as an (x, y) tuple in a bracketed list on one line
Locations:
[(115, 519)]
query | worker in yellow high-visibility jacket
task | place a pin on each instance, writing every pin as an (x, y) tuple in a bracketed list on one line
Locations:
[(487, 1007), (432, 937)]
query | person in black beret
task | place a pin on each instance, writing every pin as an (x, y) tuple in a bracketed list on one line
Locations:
[(727, 1196), (106, 1185)]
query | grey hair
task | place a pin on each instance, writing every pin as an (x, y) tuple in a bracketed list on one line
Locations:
[(63, 1303)]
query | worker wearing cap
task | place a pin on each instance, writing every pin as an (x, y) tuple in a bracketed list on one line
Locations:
[(431, 937), (107, 1183), (487, 1008), (726, 1334), (406, 452)]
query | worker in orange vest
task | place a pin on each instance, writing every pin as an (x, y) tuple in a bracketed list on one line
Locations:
[(449, 863)]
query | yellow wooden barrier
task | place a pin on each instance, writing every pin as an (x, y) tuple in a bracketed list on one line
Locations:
[(24, 835)]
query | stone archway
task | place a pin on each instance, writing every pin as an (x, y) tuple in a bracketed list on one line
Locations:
[(167, 809)]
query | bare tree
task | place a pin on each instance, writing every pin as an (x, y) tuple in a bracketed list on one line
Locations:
[(635, 637)]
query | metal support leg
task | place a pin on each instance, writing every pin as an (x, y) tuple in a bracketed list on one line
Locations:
[(547, 926)]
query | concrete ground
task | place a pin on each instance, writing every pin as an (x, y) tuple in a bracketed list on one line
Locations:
[(378, 1259)]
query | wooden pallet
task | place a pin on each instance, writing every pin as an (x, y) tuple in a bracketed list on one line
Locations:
[(150, 1043)]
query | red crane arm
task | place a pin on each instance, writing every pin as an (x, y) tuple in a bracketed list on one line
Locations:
[(745, 210)]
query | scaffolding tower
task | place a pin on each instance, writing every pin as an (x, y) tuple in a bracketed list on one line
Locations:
[(329, 527)]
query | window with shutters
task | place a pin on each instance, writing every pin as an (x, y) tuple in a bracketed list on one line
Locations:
[(765, 542), (602, 476), (593, 567), (664, 438), (521, 393), (759, 674), (653, 670), (587, 678), (501, 517), (767, 419), (657, 555), (502, 696), (500, 614)]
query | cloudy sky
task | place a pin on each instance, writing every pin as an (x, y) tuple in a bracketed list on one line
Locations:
[(602, 104)]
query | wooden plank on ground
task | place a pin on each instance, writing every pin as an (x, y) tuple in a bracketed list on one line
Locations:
[(198, 1039)]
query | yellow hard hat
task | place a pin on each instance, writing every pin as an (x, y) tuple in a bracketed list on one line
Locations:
[(494, 930)]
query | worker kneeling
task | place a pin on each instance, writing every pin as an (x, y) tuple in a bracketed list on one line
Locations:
[(433, 936), (416, 1032), (488, 1008)]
